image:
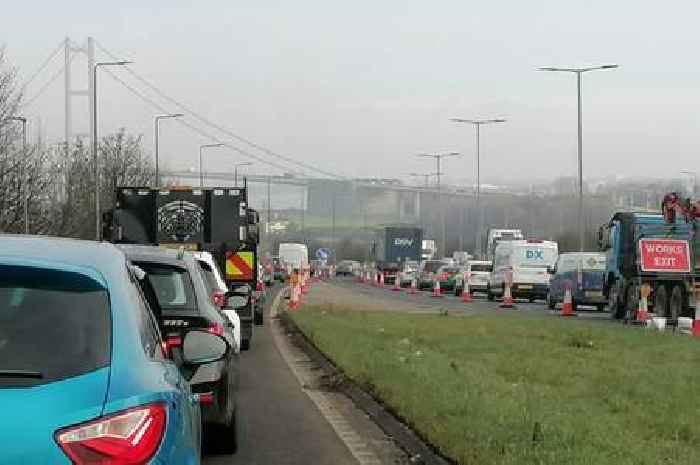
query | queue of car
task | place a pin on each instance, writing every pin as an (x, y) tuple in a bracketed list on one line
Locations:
[(116, 353), (533, 267)]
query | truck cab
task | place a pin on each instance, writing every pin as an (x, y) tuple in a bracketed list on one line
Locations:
[(642, 249)]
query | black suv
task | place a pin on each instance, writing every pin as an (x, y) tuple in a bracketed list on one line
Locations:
[(174, 285)]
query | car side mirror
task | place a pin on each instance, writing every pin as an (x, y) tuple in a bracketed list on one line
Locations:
[(552, 270), (199, 347), (237, 301)]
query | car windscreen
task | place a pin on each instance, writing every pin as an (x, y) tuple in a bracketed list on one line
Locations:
[(592, 262), (171, 285), (482, 268), (54, 325), (433, 266)]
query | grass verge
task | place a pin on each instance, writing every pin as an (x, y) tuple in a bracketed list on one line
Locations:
[(506, 389)]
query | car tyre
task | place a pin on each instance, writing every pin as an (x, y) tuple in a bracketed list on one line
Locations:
[(245, 344), (458, 291), (661, 306), (226, 436), (676, 304), (258, 319), (489, 295)]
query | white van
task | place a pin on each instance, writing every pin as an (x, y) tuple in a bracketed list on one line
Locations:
[(530, 262), (294, 255)]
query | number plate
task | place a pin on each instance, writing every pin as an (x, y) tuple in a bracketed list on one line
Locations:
[(525, 286), (594, 293)]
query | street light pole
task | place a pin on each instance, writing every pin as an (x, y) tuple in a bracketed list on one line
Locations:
[(235, 170), (425, 176), (94, 141), (579, 72), (201, 173), (438, 159), (156, 123), (477, 123)]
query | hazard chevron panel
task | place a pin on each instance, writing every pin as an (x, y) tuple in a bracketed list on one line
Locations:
[(240, 265)]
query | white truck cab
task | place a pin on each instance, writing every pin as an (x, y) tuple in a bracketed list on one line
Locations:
[(528, 262)]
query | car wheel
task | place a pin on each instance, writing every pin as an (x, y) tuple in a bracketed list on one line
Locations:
[(489, 295), (458, 291), (676, 305), (550, 303), (258, 319), (245, 344), (661, 301), (531, 299), (600, 307), (614, 306), (226, 436)]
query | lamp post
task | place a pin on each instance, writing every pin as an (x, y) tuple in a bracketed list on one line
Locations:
[(201, 173), (579, 72), (23, 184), (477, 123), (94, 140), (438, 160), (156, 123), (235, 170), (425, 176)]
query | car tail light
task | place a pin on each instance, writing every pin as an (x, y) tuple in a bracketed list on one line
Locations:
[(219, 299), (130, 437), (216, 328)]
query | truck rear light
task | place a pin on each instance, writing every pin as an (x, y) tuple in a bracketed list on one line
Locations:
[(130, 437)]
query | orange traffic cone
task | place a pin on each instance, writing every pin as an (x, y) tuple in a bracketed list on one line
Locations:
[(567, 308), (293, 304), (466, 293), (696, 324), (436, 289), (397, 284), (508, 301), (381, 279), (414, 287), (642, 315)]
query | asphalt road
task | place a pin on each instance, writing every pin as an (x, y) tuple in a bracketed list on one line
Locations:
[(424, 300), (279, 424)]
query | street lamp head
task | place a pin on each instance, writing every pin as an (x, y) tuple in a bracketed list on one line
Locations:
[(498, 120), (609, 66), (113, 63), (244, 163)]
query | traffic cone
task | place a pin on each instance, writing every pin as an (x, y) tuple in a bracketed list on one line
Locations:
[(642, 315), (414, 287), (567, 308), (381, 279), (466, 293), (397, 284), (436, 289), (300, 295), (508, 301), (293, 304)]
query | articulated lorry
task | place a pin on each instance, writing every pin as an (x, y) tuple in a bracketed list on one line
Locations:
[(660, 251), (392, 246), (215, 220)]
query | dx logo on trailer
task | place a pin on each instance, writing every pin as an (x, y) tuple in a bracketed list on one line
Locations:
[(534, 254)]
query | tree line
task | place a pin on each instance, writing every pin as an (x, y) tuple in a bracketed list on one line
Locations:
[(50, 189)]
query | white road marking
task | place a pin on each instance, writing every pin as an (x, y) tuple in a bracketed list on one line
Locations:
[(298, 363)]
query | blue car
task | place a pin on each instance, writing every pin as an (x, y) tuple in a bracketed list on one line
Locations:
[(583, 272), (84, 377)]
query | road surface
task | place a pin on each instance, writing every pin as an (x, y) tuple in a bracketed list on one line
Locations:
[(280, 424)]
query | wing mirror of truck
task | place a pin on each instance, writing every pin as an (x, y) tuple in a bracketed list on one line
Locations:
[(552, 270), (200, 346)]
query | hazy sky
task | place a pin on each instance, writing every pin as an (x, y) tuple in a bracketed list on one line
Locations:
[(360, 87)]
